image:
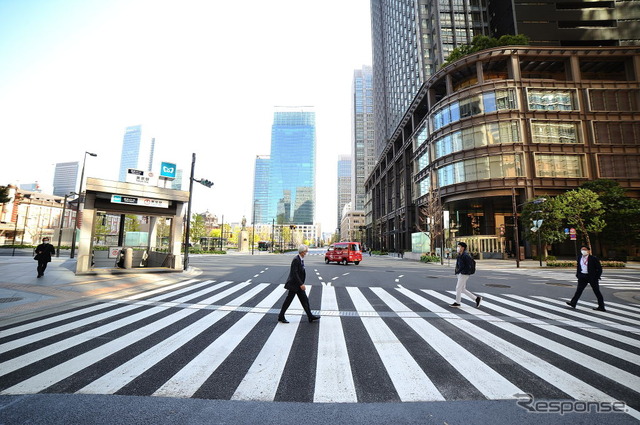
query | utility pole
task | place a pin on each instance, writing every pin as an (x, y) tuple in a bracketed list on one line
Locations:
[(64, 208), (515, 225), (222, 232), (203, 182)]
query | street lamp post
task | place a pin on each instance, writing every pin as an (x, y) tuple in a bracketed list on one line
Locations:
[(75, 224), (64, 208), (203, 182), (536, 228), (515, 223), (515, 226)]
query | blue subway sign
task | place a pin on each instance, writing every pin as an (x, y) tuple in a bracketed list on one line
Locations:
[(167, 171)]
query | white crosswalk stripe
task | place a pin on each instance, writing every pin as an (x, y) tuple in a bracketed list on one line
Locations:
[(568, 276), (121, 346)]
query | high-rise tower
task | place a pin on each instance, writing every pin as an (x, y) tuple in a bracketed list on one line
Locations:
[(261, 190), (362, 135), (65, 178), (411, 39), (344, 183), (137, 151), (292, 169)]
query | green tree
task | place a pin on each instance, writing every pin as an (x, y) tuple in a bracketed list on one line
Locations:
[(621, 213), (4, 195), (100, 229), (162, 230), (131, 223), (482, 42), (198, 229), (550, 212), (583, 210)]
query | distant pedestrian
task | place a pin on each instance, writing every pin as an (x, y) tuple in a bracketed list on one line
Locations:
[(465, 267), (295, 286), (43, 252), (589, 271)]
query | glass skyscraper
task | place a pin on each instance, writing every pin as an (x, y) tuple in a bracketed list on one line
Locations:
[(261, 190), (363, 140), (292, 166), (65, 178), (130, 150)]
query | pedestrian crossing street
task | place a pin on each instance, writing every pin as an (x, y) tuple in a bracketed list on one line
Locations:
[(612, 282), (221, 340)]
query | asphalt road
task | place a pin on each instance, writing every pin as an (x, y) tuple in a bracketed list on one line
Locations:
[(388, 349)]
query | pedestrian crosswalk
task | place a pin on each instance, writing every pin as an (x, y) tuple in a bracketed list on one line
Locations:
[(616, 282), (209, 339)]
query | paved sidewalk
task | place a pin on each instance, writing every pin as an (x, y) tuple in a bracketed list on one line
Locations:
[(22, 293)]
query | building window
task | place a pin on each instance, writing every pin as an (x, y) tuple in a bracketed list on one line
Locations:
[(551, 100), (487, 102), (421, 136), (549, 165), (486, 167), (617, 132), (619, 166), (478, 136), (554, 132), (423, 161), (614, 100)]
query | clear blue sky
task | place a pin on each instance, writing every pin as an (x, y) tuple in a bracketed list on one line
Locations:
[(202, 76)]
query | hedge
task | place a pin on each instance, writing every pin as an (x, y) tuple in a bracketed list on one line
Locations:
[(609, 264), (430, 259)]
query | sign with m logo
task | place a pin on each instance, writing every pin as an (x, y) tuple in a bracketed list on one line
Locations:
[(167, 171)]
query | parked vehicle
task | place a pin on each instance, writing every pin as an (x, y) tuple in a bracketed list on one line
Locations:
[(344, 252)]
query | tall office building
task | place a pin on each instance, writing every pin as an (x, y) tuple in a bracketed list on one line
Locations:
[(362, 134), (444, 138), (130, 150), (292, 170), (137, 151), (177, 182), (261, 190), (65, 178), (568, 23), (411, 39), (151, 152), (344, 184)]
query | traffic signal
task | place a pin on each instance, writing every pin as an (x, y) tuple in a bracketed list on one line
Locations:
[(205, 182)]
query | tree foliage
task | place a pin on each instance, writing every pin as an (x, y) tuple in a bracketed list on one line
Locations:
[(482, 42), (550, 212), (131, 223), (583, 210), (4, 195), (621, 213), (198, 229)]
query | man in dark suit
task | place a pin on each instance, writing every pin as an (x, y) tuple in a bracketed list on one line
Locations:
[(589, 272), (295, 286), (43, 255)]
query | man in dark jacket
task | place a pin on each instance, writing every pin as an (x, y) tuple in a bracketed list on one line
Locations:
[(295, 286), (589, 271), (464, 262), (43, 255)]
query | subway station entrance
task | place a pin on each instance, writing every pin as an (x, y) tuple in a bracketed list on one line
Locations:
[(163, 209)]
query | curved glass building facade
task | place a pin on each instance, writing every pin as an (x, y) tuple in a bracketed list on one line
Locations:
[(498, 128)]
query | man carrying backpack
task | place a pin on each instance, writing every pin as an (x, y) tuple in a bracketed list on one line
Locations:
[(465, 267)]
